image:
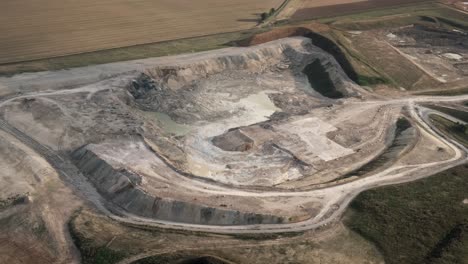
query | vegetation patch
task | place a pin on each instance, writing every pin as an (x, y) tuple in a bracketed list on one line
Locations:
[(419, 222), (91, 252), (459, 114), (265, 15), (13, 200), (371, 80), (457, 131), (450, 92)]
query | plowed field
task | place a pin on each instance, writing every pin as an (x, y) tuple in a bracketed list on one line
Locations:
[(32, 29)]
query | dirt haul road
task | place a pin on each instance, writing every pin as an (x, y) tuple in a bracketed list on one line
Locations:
[(334, 199)]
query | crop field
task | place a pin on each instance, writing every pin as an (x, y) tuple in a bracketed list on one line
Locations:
[(64, 27), (322, 8)]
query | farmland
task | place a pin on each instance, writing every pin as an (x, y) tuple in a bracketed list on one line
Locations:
[(321, 8), (70, 27)]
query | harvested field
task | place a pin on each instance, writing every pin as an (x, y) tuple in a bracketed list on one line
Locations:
[(70, 27), (315, 9)]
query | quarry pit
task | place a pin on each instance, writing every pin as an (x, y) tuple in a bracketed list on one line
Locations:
[(269, 138)]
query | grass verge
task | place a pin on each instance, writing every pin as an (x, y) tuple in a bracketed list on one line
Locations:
[(451, 92), (420, 222), (457, 131), (128, 53), (459, 114), (92, 253)]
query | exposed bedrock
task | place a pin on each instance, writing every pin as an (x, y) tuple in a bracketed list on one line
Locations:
[(233, 140), (174, 89), (321, 81), (122, 188), (201, 103), (317, 39)]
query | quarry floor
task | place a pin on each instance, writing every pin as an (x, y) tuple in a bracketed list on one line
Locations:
[(236, 131)]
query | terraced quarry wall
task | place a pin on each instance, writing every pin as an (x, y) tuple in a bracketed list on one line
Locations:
[(121, 188)]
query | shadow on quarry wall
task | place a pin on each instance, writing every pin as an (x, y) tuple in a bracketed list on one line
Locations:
[(318, 40), (179, 258), (320, 80), (332, 48), (203, 260), (121, 188)]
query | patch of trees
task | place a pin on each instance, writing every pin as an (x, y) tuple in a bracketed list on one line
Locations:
[(461, 127), (265, 15)]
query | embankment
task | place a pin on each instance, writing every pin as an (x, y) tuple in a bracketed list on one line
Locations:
[(123, 189)]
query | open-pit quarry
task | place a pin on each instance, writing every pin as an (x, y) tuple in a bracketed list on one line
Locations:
[(273, 138)]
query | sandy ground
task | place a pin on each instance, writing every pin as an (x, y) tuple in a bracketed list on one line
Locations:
[(38, 231)]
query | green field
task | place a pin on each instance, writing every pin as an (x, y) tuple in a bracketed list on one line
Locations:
[(420, 222)]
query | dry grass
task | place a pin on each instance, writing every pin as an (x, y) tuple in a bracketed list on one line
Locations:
[(391, 64), (337, 245), (33, 30)]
